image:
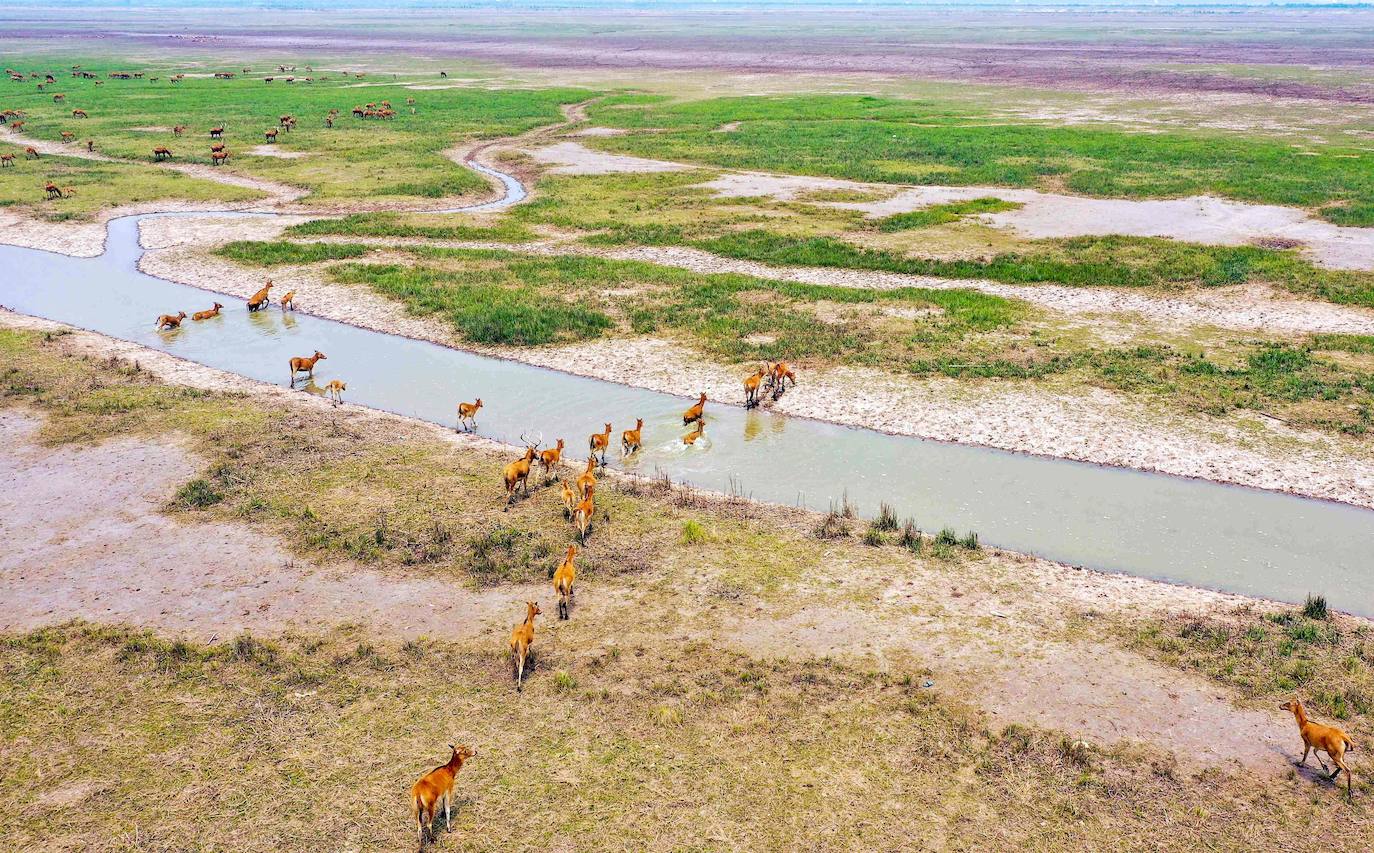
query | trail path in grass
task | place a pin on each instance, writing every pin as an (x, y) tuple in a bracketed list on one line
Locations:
[(83, 535)]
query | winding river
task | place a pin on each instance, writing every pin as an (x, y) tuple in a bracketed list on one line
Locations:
[(1191, 531)]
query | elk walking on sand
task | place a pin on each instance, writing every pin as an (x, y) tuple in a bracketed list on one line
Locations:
[(694, 413), (630, 438), (1319, 738), (306, 365), (334, 390), (467, 414), (207, 314), (434, 786), (171, 321), (598, 441), (563, 579), (777, 378), (520, 641)]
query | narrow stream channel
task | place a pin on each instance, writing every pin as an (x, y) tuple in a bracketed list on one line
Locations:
[(1191, 531)]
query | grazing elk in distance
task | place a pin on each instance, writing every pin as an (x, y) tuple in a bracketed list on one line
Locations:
[(751, 388), (517, 473), (467, 414), (288, 302), (306, 365), (563, 579), (630, 438), (67, 136), (31, 153), (600, 441), (218, 157), (691, 437), (1318, 738), (694, 413), (520, 641), (587, 478), (79, 114), (53, 190), (258, 300), (583, 512), (550, 458), (57, 99), (218, 146), (334, 390), (178, 130), (434, 786), (170, 321), (205, 315), (6, 160), (217, 133), (162, 152), (90, 145), (270, 135)]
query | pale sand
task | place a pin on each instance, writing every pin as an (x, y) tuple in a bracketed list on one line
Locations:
[(570, 158)]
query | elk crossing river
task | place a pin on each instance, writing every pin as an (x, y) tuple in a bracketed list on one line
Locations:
[(1191, 531)]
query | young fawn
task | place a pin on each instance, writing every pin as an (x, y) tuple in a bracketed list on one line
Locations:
[(467, 414), (334, 390), (259, 299), (563, 582), (599, 441), (517, 473), (550, 458), (691, 437), (171, 321), (520, 641), (751, 388), (434, 786), (205, 315), (306, 365), (694, 413), (629, 439), (582, 514), (288, 302), (1318, 738)]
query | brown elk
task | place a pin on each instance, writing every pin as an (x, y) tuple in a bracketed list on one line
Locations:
[(217, 133), (259, 300), (6, 160), (520, 641), (306, 365), (53, 190), (691, 437), (467, 414), (207, 314), (569, 498), (218, 157), (171, 321), (549, 459), (751, 388), (31, 153), (270, 135), (630, 438), (67, 136), (694, 413), (777, 378), (1319, 738), (517, 473), (218, 146), (57, 99), (178, 130), (563, 579), (434, 786), (288, 302), (90, 145), (328, 121), (286, 121), (583, 512), (162, 153), (17, 126), (79, 114), (600, 441), (587, 478), (334, 390)]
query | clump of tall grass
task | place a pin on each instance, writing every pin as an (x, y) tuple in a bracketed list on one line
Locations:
[(693, 532), (887, 518), (910, 537), (1315, 607)]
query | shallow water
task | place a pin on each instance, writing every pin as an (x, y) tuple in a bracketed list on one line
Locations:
[(1193, 531)]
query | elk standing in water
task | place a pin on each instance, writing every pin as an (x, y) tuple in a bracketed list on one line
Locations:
[(691, 437), (467, 414), (171, 321), (258, 300), (205, 315), (306, 365), (520, 641), (694, 413), (563, 582), (288, 302), (630, 438), (599, 442)]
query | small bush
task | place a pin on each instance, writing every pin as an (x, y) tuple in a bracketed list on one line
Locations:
[(1315, 607), (970, 541), (910, 537), (833, 526), (197, 494), (693, 533), (947, 536), (874, 536), (564, 682)]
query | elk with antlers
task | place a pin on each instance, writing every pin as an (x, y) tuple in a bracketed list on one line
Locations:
[(630, 438), (549, 459), (563, 579), (205, 315), (170, 321), (434, 786), (467, 414), (520, 641), (751, 388), (306, 365), (517, 473), (162, 152), (599, 441), (694, 413), (259, 300)]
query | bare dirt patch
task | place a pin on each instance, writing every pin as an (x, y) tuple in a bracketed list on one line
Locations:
[(570, 158), (281, 153)]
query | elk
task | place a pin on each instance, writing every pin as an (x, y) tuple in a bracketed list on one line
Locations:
[(334, 390), (467, 414), (520, 641), (1319, 738), (17, 126), (31, 153), (305, 364), (328, 121), (178, 130), (563, 578), (691, 437), (79, 114), (550, 458), (170, 321), (218, 157), (162, 153), (57, 99), (90, 145), (751, 388), (569, 499), (587, 479), (694, 413), (68, 136), (259, 299), (583, 512), (630, 438), (6, 160), (53, 191), (777, 379), (288, 302), (205, 315), (218, 146), (217, 133), (517, 473), (434, 786), (270, 135), (600, 441)]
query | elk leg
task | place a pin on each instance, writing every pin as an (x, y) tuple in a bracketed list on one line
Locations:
[(1306, 749)]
